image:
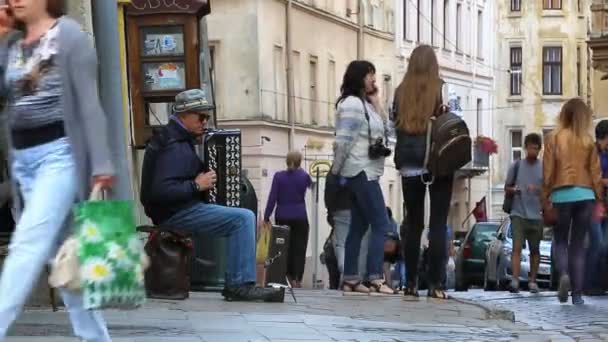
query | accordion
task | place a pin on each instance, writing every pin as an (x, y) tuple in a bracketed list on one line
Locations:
[(221, 154)]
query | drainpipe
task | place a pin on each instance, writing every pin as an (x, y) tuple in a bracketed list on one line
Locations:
[(105, 24), (290, 86), (361, 22)]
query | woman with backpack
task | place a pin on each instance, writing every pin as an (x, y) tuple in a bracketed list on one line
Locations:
[(572, 193), (359, 155), (417, 99)]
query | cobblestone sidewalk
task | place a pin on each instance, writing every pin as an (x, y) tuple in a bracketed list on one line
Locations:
[(320, 316)]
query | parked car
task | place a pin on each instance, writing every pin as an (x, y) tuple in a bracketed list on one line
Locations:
[(470, 259), (498, 266)]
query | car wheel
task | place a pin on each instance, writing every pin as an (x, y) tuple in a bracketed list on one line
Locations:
[(461, 283), (487, 284), (501, 278)]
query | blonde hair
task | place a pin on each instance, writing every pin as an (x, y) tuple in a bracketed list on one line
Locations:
[(577, 117), (294, 160), (419, 94)]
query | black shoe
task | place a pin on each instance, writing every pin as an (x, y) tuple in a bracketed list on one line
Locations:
[(252, 293), (577, 299)]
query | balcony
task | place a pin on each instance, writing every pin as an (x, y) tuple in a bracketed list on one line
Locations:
[(598, 38)]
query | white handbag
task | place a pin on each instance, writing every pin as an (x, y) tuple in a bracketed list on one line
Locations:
[(65, 271)]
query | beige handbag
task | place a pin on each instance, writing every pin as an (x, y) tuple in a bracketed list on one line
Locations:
[(65, 271)]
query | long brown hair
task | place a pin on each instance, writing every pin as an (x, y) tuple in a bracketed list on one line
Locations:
[(577, 117), (419, 94)]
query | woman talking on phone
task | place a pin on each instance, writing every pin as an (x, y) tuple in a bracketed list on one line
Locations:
[(359, 155), (59, 147)]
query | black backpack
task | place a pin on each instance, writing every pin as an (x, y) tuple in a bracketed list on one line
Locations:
[(448, 145)]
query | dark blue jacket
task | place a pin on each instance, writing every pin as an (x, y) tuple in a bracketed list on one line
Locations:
[(169, 169)]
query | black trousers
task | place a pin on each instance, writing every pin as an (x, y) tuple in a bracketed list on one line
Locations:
[(414, 192), (298, 240)]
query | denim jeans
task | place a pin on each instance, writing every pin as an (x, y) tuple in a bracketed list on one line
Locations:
[(341, 228), (596, 256), (573, 224), (47, 178), (236, 224), (368, 211)]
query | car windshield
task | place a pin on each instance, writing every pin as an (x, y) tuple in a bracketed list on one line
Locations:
[(485, 230)]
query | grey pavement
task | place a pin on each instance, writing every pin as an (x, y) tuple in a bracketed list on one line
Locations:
[(543, 312), (318, 316)]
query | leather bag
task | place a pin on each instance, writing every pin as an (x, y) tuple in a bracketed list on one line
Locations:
[(168, 275)]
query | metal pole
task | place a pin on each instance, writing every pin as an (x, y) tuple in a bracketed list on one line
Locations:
[(105, 24), (361, 19), (315, 255), (290, 86)]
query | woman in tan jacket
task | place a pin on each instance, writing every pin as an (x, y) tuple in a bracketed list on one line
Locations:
[(571, 190)]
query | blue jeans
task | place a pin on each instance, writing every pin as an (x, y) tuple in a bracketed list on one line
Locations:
[(47, 178), (341, 228), (596, 256), (368, 209), (237, 224)]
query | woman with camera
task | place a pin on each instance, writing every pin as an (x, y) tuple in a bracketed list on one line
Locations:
[(417, 99), (359, 154)]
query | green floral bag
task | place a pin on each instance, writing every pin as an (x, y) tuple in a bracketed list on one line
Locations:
[(110, 254)]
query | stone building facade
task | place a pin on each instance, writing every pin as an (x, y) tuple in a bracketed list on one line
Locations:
[(541, 61)]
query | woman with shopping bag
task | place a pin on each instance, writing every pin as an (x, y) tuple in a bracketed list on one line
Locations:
[(59, 148)]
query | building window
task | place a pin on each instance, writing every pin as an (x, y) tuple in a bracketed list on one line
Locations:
[(579, 90), (552, 4), (515, 5), (418, 22), (433, 20), (480, 34), (446, 6), (298, 104), (459, 28), (516, 145), (313, 98), (479, 117), (331, 93), (516, 70), (546, 132), (552, 70), (405, 22), (280, 103)]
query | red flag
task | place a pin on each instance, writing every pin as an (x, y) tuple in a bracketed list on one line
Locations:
[(480, 212)]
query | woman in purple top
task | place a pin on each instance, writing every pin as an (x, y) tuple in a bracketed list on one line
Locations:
[(287, 194)]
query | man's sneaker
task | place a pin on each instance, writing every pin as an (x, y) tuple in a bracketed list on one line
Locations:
[(252, 293), (564, 288), (577, 299), (514, 288), (533, 287)]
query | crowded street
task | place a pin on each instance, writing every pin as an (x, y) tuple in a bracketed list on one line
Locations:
[(299, 170)]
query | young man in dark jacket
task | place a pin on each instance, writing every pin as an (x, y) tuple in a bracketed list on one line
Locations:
[(173, 184)]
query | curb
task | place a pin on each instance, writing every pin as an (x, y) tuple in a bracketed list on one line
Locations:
[(492, 312)]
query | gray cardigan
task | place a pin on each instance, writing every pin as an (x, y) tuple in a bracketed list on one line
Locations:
[(85, 121)]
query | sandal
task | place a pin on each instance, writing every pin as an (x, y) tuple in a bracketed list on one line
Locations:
[(355, 288), (380, 287), (438, 293), (411, 292)]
